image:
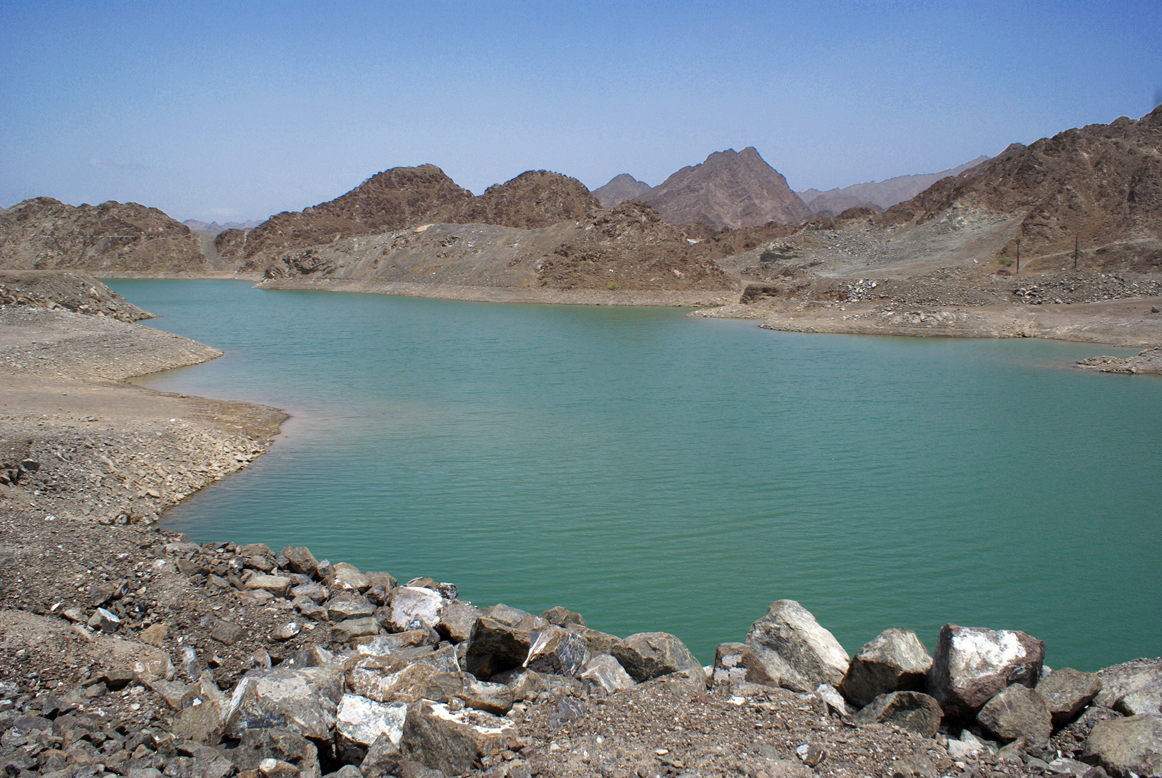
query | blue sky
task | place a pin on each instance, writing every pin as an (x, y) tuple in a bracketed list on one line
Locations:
[(231, 111)]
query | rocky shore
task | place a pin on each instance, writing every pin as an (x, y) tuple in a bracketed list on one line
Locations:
[(126, 650)]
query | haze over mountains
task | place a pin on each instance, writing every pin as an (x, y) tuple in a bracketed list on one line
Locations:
[(880, 194)]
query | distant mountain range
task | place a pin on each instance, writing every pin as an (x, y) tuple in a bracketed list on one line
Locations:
[(201, 226), (878, 194)]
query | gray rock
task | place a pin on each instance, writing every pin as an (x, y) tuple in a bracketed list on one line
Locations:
[(382, 759), (258, 745), (415, 607), (286, 632), (1065, 766), (360, 721), (226, 632), (648, 655), (1133, 688), (349, 607), (297, 700), (563, 617), (313, 591), (735, 663), (794, 649), (171, 691), (253, 549), (387, 645), (382, 580), (301, 560), (895, 660), (346, 771), (277, 585), (1067, 692), (105, 621), (494, 698), (350, 629), (276, 768), (6, 558), (913, 711), (457, 621), (495, 647), (972, 665), (345, 576), (528, 683), (506, 614), (312, 656), (311, 610), (1017, 713), (198, 723), (555, 650), (447, 741), (598, 642), (387, 678), (1131, 744), (606, 673)]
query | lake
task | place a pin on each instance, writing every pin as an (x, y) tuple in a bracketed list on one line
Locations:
[(659, 472)]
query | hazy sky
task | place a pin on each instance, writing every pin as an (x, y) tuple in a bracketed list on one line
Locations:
[(231, 110)]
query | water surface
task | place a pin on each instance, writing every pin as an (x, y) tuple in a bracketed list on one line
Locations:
[(660, 472)]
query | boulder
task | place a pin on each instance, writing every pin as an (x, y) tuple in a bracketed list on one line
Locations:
[(315, 592), (148, 663), (895, 660), (526, 683), (648, 655), (382, 581), (385, 678), (495, 647), (253, 549), (451, 742), (1121, 746), (258, 745), (913, 711), (597, 642), (555, 650), (382, 759), (1066, 692), (386, 645), (297, 700), (350, 629), (1133, 688), (494, 698), (972, 665), (414, 607), (201, 723), (310, 609), (349, 606), (278, 585), (345, 576), (1017, 713), (360, 721), (795, 650), (301, 560), (513, 617), (606, 673), (457, 621), (563, 617), (736, 663), (226, 632)]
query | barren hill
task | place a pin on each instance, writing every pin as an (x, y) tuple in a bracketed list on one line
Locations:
[(46, 234), (1099, 186), (403, 197), (624, 248), (536, 198), (619, 189), (729, 190)]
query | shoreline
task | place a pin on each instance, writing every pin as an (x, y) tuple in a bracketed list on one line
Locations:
[(158, 654)]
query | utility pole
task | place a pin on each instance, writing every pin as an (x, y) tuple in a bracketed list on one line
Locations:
[(1018, 256), (1076, 240)]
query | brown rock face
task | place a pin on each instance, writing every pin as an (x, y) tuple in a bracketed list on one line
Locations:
[(619, 189), (1100, 185), (533, 199), (46, 234), (729, 190)]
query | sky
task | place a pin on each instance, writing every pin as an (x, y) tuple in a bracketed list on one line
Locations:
[(232, 111)]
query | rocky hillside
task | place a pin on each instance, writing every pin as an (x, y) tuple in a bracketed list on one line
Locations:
[(878, 194), (407, 197), (628, 247), (619, 189), (46, 234), (74, 291), (1100, 186), (729, 190)]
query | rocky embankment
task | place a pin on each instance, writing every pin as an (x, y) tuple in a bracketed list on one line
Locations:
[(129, 651)]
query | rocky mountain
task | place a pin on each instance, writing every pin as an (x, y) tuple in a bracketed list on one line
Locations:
[(878, 194), (628, 247), (46, 234), (403, 197), (619, 189), (1099, 185), (729, 190), (201, 226)]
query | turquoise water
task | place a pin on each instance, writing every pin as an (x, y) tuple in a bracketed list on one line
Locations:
[(660, 472)]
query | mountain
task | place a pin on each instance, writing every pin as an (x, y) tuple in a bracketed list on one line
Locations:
[(619, 189), (729, 190), (1099, 185), (201, 226), (881, 194), (46, 234), (408, 196)]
